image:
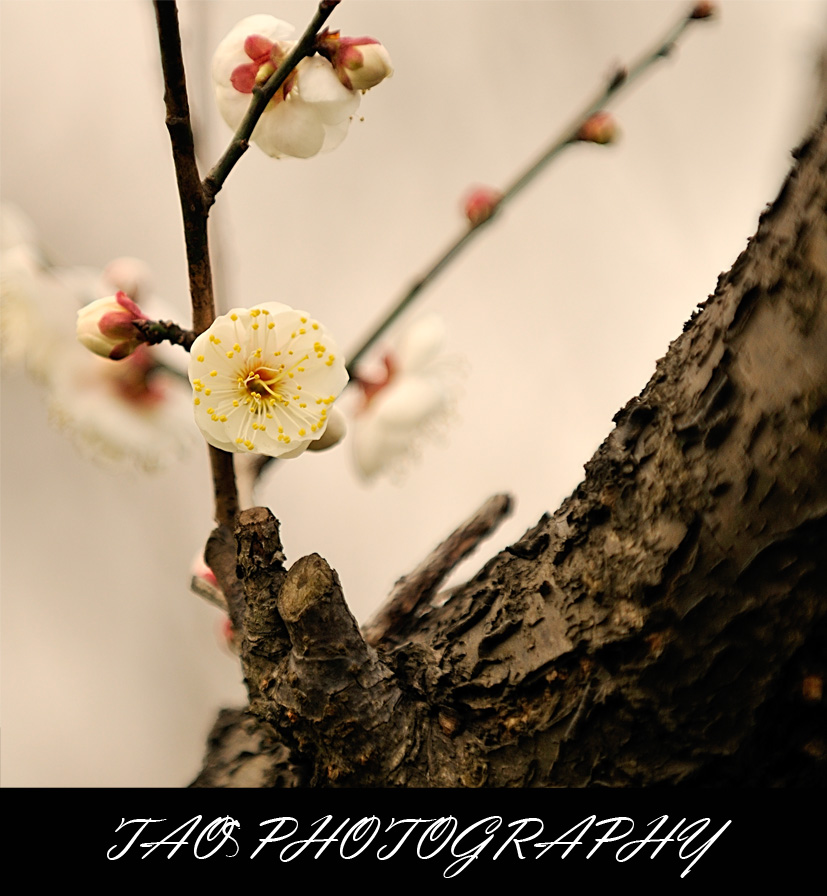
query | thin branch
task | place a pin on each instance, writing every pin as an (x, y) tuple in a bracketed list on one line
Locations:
[(193, 207), (418, 587), (194, 211), (154, 332), (620, 80), (261, 97)]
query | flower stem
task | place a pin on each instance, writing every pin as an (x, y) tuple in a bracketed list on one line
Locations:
[(193, 207), (156, 331), (620, 80), (194, 211), (262, 95)]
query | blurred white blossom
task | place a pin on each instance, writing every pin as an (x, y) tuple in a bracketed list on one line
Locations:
[(264, 380), (408, 402), (122, 411), (310, 112), (133, 410)]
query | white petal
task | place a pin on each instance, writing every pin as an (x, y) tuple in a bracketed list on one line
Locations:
[(395, 422), (291, 128), (229, 54), (408, 403), (231, 104), (275, 308), (334, 134), (421, 343), (318, 85)]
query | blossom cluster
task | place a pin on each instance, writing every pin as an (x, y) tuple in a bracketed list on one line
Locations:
[(312, 110)]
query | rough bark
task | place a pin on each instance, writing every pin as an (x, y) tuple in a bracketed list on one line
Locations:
[(667, 625)]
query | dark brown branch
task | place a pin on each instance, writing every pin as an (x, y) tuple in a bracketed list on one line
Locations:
[(194, 210), (247, 754), (193, 206), (305, 660), (154, 332), (416, 589)]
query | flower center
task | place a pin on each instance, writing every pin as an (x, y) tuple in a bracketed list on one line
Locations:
[(264, 385), (261, 382)]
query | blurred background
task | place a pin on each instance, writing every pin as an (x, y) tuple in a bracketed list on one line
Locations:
[(112, 670)]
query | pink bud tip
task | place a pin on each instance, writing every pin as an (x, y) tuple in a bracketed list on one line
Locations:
[(481, 203), (599, 128), (704, 9)]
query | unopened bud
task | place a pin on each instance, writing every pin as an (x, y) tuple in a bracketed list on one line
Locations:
[(703, 9), (106, 326), (359, 62), (481, 203), (599, 128)]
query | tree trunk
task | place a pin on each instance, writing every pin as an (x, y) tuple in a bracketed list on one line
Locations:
[(667, 625)]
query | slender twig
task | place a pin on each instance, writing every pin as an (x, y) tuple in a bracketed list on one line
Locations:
[(194, 211), (193, 207), (416, 589), (155, 331), (261, 97), (621, 79)]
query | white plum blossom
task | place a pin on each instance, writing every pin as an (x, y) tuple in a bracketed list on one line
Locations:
[(310, 112), (128, 411), (264, 380), (408, 402)]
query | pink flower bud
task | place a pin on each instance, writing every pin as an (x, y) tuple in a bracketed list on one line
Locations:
[(599, 128), (481, 203), (359, 62), (106, 326), (704, 9)]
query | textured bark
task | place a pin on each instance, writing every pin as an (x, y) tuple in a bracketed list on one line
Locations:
[(667, 625)]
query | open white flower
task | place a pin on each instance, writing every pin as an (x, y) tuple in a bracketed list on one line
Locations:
[(310, 112), (408, 402), (264, 380)]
